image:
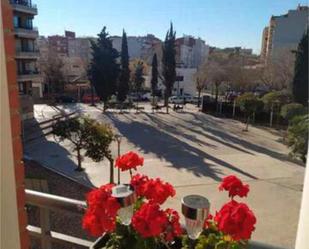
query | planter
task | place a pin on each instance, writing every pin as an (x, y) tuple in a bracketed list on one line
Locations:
[(101, 243)]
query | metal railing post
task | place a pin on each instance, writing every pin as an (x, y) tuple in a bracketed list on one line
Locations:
[(45, 228)]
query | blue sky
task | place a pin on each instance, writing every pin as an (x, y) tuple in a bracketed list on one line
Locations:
[(220, 23)]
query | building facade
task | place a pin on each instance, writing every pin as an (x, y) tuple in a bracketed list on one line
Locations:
[(13, 231), (191, 52), (74, 53), (28, 77), (140, 47), (284, 33)]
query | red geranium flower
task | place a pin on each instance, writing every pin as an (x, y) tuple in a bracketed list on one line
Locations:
[(129, 160), (154, 190), (234, 186), (101, 213), (138, 182), (149, 220), (157, 191), (173, 228), (236, 219), (207, 221)]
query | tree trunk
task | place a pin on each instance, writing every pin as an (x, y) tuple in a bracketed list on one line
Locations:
[(152, 104), (216, 93), (111, 176), (166, 101), (104, 106), (247, 124), (199, 99), (79, 161)]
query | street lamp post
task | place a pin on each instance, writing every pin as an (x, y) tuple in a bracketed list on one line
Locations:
[(118, 138)]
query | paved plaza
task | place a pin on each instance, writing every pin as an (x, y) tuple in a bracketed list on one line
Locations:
[(193, 151)]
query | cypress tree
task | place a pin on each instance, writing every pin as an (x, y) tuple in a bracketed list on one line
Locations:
[(300, 81), (169, 64), (123, 84), (104, 69), (154, 75)]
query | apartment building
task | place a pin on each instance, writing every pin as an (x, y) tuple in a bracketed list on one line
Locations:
[(28, 77), (191, 52), (140, 47), (284, 33)]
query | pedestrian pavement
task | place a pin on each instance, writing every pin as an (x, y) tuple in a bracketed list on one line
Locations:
[(193, 151)]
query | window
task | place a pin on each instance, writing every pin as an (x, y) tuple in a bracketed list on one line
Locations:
[(22, 88), (16, 21)]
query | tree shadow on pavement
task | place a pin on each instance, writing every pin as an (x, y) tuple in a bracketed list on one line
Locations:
[(220, 133), (53, 156), (180, 154), (172, 128)]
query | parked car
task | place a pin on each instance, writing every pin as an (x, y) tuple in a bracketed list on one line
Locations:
[(87, 98), (146, 97), (195, 100), (65, 99), (134, 97), (177, 100)]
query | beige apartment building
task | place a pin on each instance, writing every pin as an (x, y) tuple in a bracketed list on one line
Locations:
[(284, 33), (28, 77)]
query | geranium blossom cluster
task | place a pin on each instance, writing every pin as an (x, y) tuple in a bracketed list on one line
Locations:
[(100, 216), (235, 218), (150, 220), (154, 190), (129, 161), (234, 186)]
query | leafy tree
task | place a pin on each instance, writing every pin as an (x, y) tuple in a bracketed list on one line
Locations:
[(138, 78), (300, 81), (53, 73), (98, 143), (277, 73), (298, 136), (154, 75), (169, 64), (278, 98), (123, 84), (289, 111), (200, 85), (76, 131), (104, 70), (214, 71), (250, 105), (85, 134)]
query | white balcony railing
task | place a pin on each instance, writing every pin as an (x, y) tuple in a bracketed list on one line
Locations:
[(47, 202), (24, 6)]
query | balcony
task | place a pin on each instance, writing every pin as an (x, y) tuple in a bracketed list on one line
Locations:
[(26, 53), (27, 75), (26, 32), (47, 202), (24, 7)]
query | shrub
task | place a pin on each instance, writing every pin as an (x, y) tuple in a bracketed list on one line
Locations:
[(298, 136), (249, 103), (276, 97), (289, 111)]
